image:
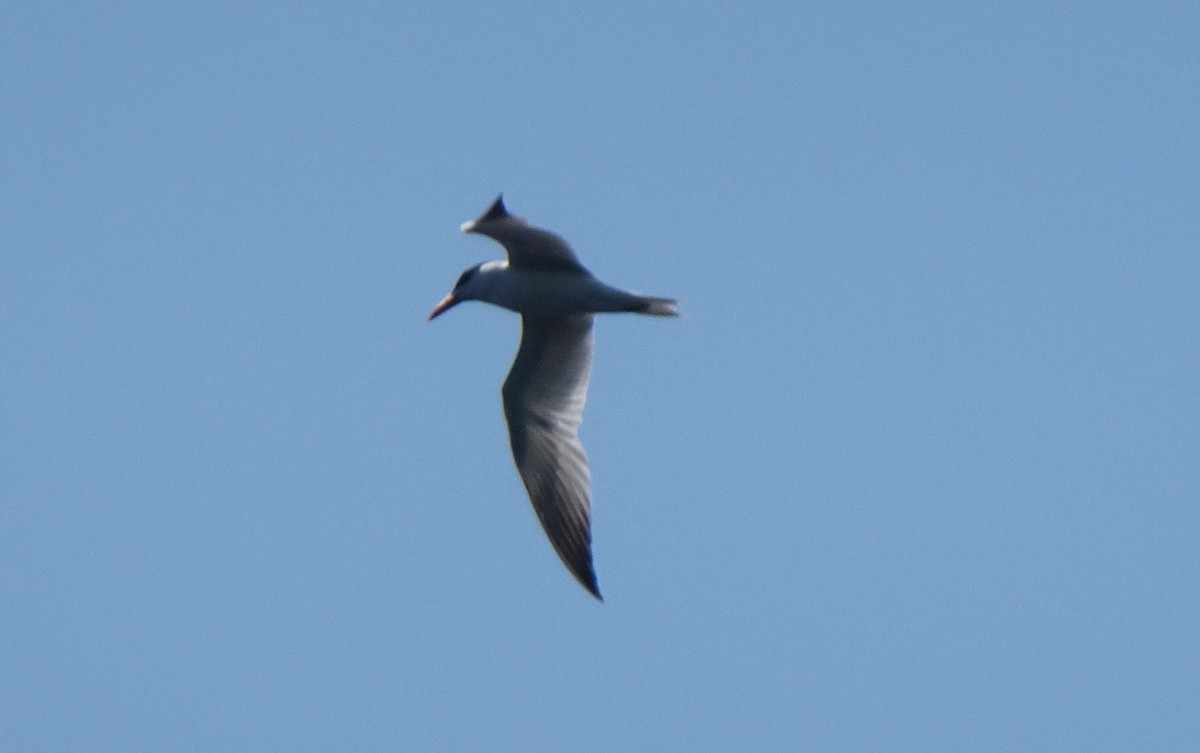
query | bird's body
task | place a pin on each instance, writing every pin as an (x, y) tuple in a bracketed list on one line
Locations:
[(550, 292), (546, 388)]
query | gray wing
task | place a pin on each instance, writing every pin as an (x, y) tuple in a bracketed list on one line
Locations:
[(528, 246), (544, 396), (534, 248)]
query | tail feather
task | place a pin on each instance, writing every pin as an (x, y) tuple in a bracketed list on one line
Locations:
[(657, 306)]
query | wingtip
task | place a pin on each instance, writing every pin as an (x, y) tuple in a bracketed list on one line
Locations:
[(594, 590), (496, 211), (586, 575)]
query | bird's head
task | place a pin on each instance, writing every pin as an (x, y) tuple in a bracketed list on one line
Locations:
[(472, 285)]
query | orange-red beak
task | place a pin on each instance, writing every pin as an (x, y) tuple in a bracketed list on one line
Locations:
[(446, 303)]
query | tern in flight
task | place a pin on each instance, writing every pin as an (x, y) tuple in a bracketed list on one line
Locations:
[(546, 389)]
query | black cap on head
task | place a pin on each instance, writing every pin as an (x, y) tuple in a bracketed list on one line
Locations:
[(462, 279)]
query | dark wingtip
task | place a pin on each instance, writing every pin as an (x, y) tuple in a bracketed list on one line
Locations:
[(594, 589), (496, 211), (583, 571), (586, 575)]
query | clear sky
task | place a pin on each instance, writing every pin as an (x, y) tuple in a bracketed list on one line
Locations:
[(919, 471)]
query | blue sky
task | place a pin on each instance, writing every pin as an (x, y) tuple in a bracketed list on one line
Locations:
[(917, 472)]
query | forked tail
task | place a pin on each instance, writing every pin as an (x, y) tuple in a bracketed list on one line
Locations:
[(656, 306)]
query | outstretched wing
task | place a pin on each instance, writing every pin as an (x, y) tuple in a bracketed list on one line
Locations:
[(527, 246), (544, 396)]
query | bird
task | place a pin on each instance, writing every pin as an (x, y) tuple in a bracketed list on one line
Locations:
[(546, 388)]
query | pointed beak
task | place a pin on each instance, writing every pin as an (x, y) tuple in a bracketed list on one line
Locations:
[(446, 303), (468, 226)]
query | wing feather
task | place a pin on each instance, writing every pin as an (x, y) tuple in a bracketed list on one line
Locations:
[(544, 397)]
